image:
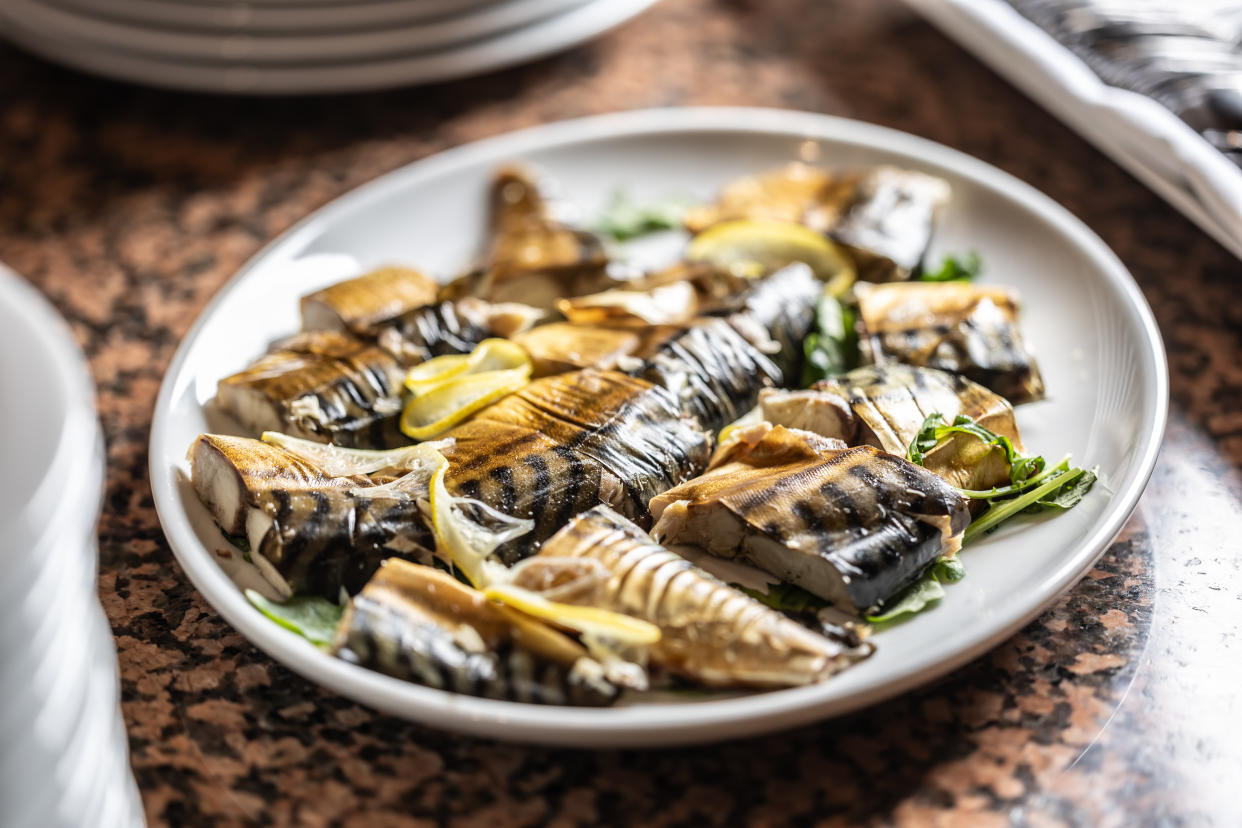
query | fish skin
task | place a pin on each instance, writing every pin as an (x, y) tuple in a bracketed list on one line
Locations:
[(324, 386), (852, 525), (885, 218), (419, 624), (958, 327), (717, 366), (710, 632), (448, 327), (360, 305), (886, 405), (313, 535), (563, 444)]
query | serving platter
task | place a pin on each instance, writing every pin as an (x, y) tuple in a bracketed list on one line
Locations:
[(1085, 318)]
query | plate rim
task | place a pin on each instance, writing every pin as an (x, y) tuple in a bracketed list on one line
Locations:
[(656, 724)]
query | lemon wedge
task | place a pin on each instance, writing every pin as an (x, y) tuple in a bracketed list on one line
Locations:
[(435, 411), (590, 621), (489, 355), (752, 247)]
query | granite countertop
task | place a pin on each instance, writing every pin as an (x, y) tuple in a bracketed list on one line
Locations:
[(131, 207)]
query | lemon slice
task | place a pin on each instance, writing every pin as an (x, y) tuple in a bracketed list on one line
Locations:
[(488, 355), (752, 247), (434, 371), (435, 411), (591, 621)]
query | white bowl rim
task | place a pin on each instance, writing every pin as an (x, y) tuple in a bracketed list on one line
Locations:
[(656, 724)]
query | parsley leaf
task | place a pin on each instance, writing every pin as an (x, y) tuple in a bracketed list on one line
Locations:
[(832, 348), (311, 617), (625, 219), (953, 269)]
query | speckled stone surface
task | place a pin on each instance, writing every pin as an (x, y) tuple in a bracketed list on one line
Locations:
[(130, 207)]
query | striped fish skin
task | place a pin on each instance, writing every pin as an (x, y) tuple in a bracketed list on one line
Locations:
[(854, 526), (324, 386), (953, 326), (717, 366), (419, 624), (360, 305), (448, 327), (308, 533), (710, 632), (886, 405), (565, 443), (885, 218)]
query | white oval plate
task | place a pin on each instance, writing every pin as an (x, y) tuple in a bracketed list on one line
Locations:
[(1098, 345)]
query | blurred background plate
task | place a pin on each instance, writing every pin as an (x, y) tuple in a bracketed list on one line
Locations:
[(242, 45), (549, 35), (275, 15)]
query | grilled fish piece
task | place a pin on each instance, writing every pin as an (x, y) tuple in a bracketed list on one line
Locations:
[(453, 326), (360, 305), (854, 526), (710, 632), (966, 329), (534, 258), (886, 405), (324, 386), (566, 443), (785, 194), (885, 218), (717, 365), (308, 532), (419, 624)]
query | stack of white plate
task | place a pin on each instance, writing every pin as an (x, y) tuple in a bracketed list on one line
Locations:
[(63, 751), (303, 46)]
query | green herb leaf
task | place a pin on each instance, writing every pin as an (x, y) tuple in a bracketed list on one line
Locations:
[(1068, 495), (786, 597), (241, 542), (1001, 510), (311, 617), (924, 591), (949, 570), (832, 348), (935, 429), (953, 269), (625, 219)]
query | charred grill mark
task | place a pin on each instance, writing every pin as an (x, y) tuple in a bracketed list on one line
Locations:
[(503, 475)]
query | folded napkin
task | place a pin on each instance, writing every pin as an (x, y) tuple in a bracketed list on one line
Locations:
[(1148, 139)]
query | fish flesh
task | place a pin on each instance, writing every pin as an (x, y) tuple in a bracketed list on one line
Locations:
[(886, 405), (710, 632), (885, 218), (322, 385), (854, 526), (309, 533), (954, 326), (784, 194), (565, 443), (422, 625), (360, 305), (564, 346), (716, 366)]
